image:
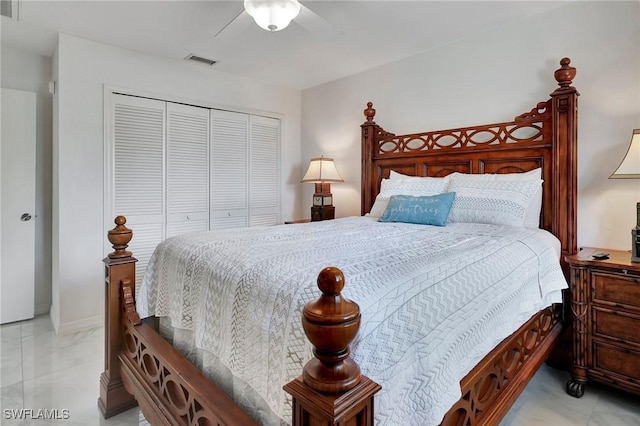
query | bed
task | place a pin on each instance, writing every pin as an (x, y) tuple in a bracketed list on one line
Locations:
[(141, 367)]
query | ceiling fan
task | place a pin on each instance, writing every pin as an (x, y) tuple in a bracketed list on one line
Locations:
[(275, 15)]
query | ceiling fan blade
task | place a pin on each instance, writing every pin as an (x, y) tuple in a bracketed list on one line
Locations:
[(236, 26), (316, 25)]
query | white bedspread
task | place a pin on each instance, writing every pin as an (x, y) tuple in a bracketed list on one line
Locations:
[(434, 301)]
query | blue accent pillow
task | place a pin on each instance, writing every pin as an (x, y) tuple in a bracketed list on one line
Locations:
[(425, 210)]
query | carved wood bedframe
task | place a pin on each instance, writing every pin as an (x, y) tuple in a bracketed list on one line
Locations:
[(142, 368)]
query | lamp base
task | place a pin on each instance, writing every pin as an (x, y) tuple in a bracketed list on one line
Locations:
[(323, 188), (319, 213)]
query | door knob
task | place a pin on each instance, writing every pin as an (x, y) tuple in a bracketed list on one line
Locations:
[(25, 217)]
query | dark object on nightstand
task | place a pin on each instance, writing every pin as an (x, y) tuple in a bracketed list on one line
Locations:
[(635, 244), (600, 255), (605, 306), (635, 238)]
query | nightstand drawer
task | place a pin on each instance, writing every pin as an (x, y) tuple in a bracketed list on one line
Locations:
[(613, 359), (621, 290), (617, 325)]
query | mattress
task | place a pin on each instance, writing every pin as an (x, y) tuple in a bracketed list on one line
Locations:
[(433, 300)]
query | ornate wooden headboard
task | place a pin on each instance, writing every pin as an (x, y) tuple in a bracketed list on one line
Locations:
[(544, 137)]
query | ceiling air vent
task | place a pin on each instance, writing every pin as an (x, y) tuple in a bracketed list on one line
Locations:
[(200, 60), (9, 8)]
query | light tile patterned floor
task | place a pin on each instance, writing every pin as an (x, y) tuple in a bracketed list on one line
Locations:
[(39, 370)]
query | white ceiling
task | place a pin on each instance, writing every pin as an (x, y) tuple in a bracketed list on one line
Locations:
[(369, 33)]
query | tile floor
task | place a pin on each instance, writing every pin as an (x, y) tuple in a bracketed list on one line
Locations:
[(41, 370)]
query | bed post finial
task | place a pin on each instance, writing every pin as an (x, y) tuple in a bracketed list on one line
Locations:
[(369, 113), (564, 107), (331, 323), (565, 74), (119, 237), (120, 278), (331, 390)]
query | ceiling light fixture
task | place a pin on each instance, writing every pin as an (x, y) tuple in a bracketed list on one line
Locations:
[(272, 15)]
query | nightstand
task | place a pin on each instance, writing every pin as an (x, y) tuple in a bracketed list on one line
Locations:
[(606, 320)]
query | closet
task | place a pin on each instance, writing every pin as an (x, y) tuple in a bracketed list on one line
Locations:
[(173, 168)]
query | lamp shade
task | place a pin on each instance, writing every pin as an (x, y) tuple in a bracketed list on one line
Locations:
[(630, 166), (322, 169), (272, 15)]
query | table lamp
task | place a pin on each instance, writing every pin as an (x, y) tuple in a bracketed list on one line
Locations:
[(322, 171), (630, 169)]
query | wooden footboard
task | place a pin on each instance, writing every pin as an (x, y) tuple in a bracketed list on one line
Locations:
[(167, 387), (142, 368)]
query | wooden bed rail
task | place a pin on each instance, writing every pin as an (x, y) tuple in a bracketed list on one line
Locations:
[(142, 368)]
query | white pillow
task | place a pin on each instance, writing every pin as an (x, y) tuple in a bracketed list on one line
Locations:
[(498, 202), (532, 216), (415, 187), (393, 175)]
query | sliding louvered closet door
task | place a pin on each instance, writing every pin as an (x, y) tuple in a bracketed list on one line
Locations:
[(174, 168), (187, 169), (245, 171), (137, 180), (264, 178), (229, 169)]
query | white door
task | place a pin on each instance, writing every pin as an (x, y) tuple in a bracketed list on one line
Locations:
[(18, 186)]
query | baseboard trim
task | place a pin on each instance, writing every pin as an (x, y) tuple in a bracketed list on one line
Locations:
[(55, 318), (79, 325), (73, 326)]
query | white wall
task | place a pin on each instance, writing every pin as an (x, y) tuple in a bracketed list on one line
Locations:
[(492, 78), (31, 72), (84, 68)]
